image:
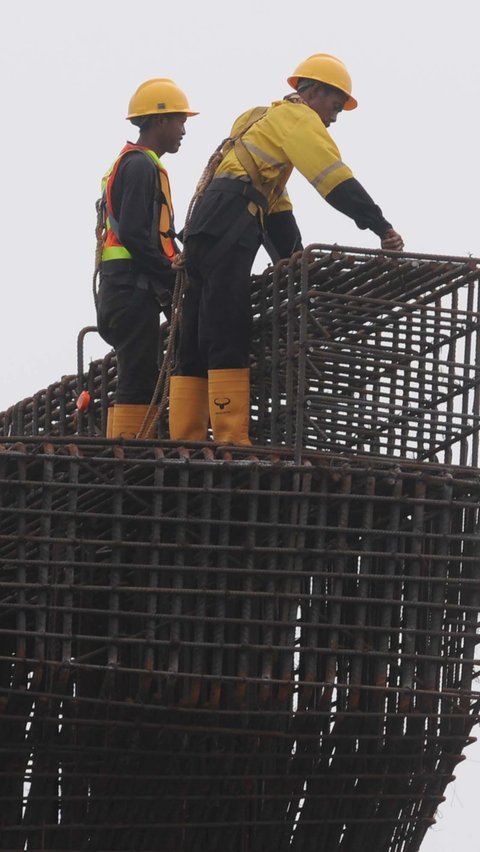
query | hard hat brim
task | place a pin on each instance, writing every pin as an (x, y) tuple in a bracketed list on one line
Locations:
[(186, 112)]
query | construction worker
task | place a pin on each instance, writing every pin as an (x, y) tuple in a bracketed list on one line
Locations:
[(136, 274), (246, 201)]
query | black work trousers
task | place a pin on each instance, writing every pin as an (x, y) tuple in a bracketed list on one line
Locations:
[(128, 319), (217, 313)]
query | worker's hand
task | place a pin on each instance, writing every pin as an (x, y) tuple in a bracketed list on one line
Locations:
[(164, 285), (392, 241), (178, 261)]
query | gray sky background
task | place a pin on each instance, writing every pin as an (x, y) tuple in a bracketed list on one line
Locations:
[(67, 73)]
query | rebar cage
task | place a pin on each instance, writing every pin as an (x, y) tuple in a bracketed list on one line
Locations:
[(370, 353), (354, 351), (202, 652), (258, 650)]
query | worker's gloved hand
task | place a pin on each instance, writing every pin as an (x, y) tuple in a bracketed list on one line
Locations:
[(164, 285), (392, 241)]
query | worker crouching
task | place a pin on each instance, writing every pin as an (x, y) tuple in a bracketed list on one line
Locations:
[(136, 273), (245, 204)]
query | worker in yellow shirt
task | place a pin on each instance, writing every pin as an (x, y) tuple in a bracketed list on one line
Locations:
[(244, 205)]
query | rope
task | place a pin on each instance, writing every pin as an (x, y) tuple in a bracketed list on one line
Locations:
[(159, 400)]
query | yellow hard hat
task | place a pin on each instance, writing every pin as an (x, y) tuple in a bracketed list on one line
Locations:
[(160, 96), (326, 69)]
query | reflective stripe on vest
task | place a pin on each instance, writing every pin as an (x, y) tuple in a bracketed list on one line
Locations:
[(113, 249)]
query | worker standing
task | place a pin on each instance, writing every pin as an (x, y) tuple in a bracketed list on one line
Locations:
[(246, 203), (136, 274)]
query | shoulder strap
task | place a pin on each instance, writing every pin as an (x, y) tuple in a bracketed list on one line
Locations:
[(256, 114), (246, 160)]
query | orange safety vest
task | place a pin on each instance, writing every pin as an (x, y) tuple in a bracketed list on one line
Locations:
[(112, 247)]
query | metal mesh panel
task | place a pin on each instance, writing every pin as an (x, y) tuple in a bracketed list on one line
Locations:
[(370, 354), (353, 351), (207, 653)]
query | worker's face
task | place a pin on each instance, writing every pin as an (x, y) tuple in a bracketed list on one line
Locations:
[(173, 131), (327, 103)]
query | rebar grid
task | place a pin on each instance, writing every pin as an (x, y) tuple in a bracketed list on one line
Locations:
[(366, 353), (202, 652), (354, 351)]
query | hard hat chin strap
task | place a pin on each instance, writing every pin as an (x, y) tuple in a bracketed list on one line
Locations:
[(294, 98), (304, 84), (141, 121)]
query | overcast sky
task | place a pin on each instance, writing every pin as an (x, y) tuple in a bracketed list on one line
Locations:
[(67, 73)]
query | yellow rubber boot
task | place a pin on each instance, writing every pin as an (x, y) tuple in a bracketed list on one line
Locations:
[(188, 403), (128, 420), (110, 412), (229, 401)]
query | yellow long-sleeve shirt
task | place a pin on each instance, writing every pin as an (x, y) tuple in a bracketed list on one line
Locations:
[(289, 135)]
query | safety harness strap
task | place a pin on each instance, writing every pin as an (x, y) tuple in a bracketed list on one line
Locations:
[(246, 160), (271, 189), (243, 155)]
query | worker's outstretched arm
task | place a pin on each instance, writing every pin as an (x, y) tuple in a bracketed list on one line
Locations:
[(282, 234), (350, 198), (311, 149)]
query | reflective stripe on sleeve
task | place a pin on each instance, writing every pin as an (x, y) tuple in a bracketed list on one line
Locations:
[(319, 179)]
